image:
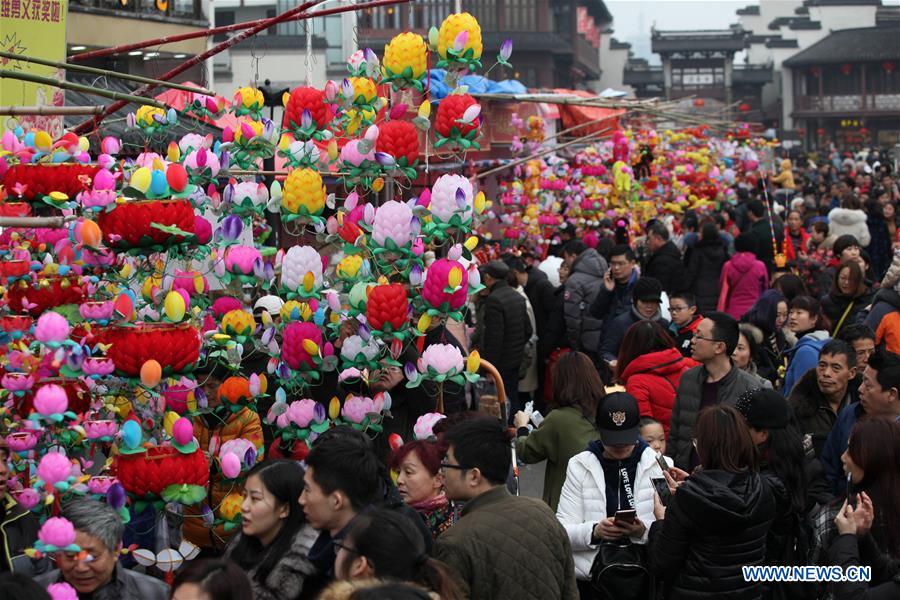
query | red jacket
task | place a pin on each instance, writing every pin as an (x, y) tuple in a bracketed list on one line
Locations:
[(787, 247), (653, 380)]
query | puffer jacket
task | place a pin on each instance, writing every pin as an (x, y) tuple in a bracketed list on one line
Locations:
[(703, 269), (834, 305), (785, 178), (803, 357), (667, 266), (715, 524), (18, 531), (581, 289), (885, 302), (289, 576), (243, 424), (747, 279), (583, 502), (509, 547), (687, 407), (615, 333), (653, 379), (506, 328), (124, 585), (813, 411), (843, 221)]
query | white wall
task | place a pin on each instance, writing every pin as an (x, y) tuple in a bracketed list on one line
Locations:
[(612, 63), (282, 66), (843, 17)]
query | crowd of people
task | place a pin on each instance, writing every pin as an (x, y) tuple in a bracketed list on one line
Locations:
[(720, 392)]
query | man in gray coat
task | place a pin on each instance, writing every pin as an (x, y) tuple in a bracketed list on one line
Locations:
[(586, 270), (95, 572), (716, 380)]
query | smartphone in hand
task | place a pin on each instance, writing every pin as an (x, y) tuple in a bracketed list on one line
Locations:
[(624, 517), (662, 489), (661, 461)]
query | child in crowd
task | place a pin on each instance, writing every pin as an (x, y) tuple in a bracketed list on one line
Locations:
[(652, 432)]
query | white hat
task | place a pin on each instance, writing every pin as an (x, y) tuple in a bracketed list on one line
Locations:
[(272, 304)]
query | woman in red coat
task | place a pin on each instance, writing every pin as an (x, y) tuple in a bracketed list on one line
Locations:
[(796, 239), (650, 367)]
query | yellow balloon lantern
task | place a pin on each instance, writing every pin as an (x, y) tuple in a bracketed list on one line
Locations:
[(151, 373), (43, 141), (140, 179), (169, 421), (174, 306)]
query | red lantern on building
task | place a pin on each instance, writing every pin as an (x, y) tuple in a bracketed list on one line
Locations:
[(699, 102), (744, 107), (801, 131), (846, 68), (888, 67), (820, 132), (863, 131), (814, 71)]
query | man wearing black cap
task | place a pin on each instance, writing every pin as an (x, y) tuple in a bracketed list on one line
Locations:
[(612, 475), (506, 329), (646, 298)]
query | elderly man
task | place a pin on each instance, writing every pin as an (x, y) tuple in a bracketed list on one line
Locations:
[(95, 572)]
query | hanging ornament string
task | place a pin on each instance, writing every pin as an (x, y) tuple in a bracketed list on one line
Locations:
[(307, 25)]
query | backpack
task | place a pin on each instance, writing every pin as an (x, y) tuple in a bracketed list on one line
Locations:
[(619, 572)]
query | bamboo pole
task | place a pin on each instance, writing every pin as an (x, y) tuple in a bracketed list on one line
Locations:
[(45, 222), (50, 110), (85, 126), (119, 97), (104, 72), (222, 29), (525, 159)]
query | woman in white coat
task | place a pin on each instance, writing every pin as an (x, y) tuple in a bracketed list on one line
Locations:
[(848, 219), (612, 475)]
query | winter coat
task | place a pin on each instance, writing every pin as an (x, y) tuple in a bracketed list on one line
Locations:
[(762, 231), (243, 424), (684, 335), (529, 382), (609, 304), (506, 328), (564, 433), (18, 531), (582, 286), (746, 278), (653, 380), (803, 357), (843, 221), (555, 335), (667, 266), (813, 411), (124, 585), (582, 503), (680, 440), (834, 305), (703, 270), (892, 276), (541, 294), (847, 550), (785, 178), (888, 332), (715, 524), (884, 303), (286, 579), (612, 339), (509, 547), (836, 443), (880, 245)]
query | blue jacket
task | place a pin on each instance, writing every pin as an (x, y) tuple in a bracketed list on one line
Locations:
[(836, 443), (803, 357)]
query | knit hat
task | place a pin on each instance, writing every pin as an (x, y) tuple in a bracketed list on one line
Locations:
[(764, 409), (647, 289), (843, 242), (496, 269), (617, 419)]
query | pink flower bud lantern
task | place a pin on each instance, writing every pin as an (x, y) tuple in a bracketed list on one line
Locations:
[(231, 465), (51, 328), (54, 468), (57, 532), (51, 400), (183, 431)]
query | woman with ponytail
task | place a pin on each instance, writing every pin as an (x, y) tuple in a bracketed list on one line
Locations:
[(388, 546)]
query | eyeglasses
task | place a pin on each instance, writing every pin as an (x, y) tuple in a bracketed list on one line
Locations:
[(446, 465), (697, 336), (344, 547)]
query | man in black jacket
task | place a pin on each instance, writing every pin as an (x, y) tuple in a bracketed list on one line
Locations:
[(665, 262), (614, 296), (18, 530), (506, 329), (762, 229)]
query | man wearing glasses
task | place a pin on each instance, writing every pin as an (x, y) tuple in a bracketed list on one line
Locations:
[(716, 380), (503, 546)]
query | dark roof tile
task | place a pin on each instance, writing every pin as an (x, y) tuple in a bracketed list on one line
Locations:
[(851, 45)]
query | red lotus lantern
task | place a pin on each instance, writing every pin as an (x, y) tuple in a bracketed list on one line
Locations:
[(699, 102), (146, 475), (131, 225), (39, 179), (175, 347), (14, 209), (387, 305), (400, 139), (744, 107), (447, 122), (305, 98), (57, 291)]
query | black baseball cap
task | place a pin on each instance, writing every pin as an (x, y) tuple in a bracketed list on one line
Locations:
[(617, 419), (764, 409), (647, 289)]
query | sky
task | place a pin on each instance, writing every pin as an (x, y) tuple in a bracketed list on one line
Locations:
[(632, 19)]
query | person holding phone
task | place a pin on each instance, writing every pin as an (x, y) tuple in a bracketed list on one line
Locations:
[(608, 495)]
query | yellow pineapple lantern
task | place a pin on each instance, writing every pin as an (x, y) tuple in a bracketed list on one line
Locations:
[(459, 42), (304, 195), (405, 61)]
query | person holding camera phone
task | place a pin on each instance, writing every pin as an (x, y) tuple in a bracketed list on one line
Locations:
[(608, 495)]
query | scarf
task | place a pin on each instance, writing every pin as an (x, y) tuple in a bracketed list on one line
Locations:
[(431, 504)]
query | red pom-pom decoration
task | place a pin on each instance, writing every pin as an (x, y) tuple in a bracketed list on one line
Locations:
[(175, 347), (129, 225), (40, 179), (305, 98), (400, 139), (58, 291), (146, 475), (387, 304), (449, 111)]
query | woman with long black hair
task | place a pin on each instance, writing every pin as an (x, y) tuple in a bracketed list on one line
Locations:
[(273, 546)]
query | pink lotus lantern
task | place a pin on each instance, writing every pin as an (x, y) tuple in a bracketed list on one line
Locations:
[(95, 430), (57, 532), (96, 311), (351, 155), (27, 498), (356, 408), (51, 400), (21, 441), (299, 412), (294, 349), (100, 484), (17, 382), (97, 366), (192, 282), (54, 468), (240, 259), (438, 279), (424, 427), (393, 222), (443, 358), (51, 328)]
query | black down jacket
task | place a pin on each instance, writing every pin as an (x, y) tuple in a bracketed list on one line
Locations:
[(506, 327), (704, 265), (666, 265), (716, 523)]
